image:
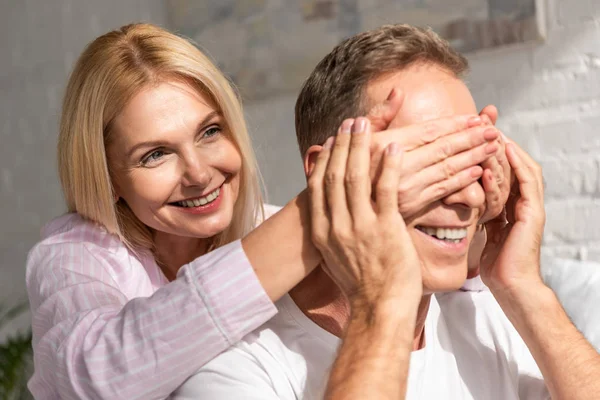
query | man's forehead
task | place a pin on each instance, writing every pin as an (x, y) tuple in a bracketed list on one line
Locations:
[(430, 92)]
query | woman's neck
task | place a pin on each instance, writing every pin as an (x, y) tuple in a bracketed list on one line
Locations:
[(172, 252)]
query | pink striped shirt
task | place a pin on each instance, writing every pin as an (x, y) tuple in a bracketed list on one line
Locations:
[(109, 325)]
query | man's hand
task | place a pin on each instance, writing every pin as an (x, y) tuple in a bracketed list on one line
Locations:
[(511, 260), (510, 267), (369, 239), (369, 254)]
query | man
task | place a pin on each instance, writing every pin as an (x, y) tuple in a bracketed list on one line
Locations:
[(511, 342)]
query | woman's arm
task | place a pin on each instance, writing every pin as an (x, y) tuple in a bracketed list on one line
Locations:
[(281, 250), (91, 340)]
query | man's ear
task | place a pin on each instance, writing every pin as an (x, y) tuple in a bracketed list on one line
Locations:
[(310, 158), (491, 112), (382, 114)]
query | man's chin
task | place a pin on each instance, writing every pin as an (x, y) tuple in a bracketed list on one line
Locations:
[(446, 279)]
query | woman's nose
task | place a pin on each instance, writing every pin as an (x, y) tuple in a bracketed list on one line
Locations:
[(196, 172)]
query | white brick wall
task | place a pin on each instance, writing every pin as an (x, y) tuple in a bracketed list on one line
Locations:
[(40, 41), (548, 95), (549, 101)]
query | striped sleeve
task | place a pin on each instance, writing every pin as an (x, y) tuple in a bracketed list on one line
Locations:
[(91, 341)]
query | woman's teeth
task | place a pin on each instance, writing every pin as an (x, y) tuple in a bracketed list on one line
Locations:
[(451, 235), (201, 201)]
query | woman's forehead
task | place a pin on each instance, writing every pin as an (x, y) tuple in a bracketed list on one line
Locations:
[(163, 109)]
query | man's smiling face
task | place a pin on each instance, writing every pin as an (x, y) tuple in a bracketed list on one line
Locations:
[(442, 232)]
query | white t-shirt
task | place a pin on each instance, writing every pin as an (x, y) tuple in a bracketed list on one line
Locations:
[(472, 352)]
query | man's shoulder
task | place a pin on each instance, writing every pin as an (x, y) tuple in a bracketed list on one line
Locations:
[(270, 361), (481, 335), (477, 314)]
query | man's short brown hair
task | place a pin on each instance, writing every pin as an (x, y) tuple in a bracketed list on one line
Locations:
[(335, 89)]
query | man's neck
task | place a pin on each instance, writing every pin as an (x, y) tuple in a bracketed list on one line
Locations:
[(319, 298)]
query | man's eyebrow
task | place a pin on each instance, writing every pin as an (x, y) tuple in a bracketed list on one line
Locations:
[(159, 143)]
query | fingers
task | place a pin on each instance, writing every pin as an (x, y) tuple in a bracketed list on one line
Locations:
[(433, 192), (387, 185), (491, 181), (413, 136), (491, 112), (317, 203), (382, 114), (444, 168), (357, 180), (493, 196), (335, 190), (534, 167), (453, 145), (441, 179), (529, 178), (527, 171), (493, 165)]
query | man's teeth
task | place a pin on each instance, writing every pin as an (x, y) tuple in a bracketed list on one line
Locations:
[(201, 200), (453, 235)]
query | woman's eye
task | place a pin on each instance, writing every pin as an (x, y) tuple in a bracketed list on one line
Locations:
[(212, 131), (153, 157)]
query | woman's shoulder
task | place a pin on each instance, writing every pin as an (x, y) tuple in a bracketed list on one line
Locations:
[(73, 229), (75, 250), (72, 241)]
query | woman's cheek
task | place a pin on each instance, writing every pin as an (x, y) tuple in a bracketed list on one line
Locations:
[(156, 184)]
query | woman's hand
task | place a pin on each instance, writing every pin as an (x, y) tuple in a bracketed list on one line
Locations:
[(496, 178), (511, 258), (440, 156), (365, 244)]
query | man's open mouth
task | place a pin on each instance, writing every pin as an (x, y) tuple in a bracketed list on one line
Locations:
[(452, 235)]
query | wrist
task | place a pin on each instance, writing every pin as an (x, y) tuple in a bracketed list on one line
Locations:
[(520, 302), (386, 310)]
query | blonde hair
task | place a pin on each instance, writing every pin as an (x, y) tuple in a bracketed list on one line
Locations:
[(110, 71)]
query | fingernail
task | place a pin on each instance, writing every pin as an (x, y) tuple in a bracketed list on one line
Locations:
[(391, 95), (392, 149), (490, 134), (504, 137), (359, 125), (329, 142), (474, 121), (491, 148), (477, 171), (347, 126)]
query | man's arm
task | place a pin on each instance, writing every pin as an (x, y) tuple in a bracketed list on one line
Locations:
[(374, 357), (381, 274), (568, 362), (510, 266)]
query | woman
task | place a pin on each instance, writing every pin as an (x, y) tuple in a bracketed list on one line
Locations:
[(146, 278)]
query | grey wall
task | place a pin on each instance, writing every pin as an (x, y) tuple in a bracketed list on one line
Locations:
[(39, 42)]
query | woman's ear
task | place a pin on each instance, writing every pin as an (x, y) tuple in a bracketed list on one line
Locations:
[(115, 192), (310, 158)]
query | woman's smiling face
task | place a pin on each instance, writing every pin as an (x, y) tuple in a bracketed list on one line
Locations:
[(173, 162)]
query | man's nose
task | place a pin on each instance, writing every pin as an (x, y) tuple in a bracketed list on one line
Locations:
[(471, 196)]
